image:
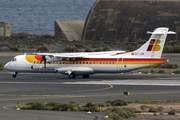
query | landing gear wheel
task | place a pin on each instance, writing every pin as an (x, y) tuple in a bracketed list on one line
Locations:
[(85, 76), (72, 76), (14, 75)]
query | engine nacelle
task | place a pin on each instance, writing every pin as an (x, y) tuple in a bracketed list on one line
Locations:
[(76, 70)]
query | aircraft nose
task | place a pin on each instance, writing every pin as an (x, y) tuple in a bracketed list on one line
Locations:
[(6, 66)]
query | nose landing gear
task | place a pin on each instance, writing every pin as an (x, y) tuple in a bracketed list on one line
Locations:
[(14, 74)]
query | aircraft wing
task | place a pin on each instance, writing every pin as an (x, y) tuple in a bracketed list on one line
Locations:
[(74, 55)]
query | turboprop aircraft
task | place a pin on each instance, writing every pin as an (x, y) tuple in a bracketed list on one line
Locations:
[(87, 63)]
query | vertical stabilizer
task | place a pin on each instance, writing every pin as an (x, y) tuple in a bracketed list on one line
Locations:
[(154, 46)]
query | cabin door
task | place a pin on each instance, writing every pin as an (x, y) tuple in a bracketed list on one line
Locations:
[(119, 64)]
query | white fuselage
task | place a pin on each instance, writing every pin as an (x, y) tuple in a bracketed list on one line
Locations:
[(95, 64)]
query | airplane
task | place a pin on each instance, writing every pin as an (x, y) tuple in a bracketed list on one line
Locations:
[(87, 63)]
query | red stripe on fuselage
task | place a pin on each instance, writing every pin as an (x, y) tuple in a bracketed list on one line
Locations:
[(120, 59)]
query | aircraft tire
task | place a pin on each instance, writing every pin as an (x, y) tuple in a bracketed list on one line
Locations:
[(14, 75), (85, 76), (72, 76)]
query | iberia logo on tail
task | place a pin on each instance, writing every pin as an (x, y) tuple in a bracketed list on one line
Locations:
[(154, 45)]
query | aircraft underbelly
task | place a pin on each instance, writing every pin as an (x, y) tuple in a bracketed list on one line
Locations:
[(130, 67), (105, 68), (76, 70)]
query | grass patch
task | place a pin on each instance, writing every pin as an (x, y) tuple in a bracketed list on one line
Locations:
[(118, 103), (146, 101), (168, 66), (1, 66), (177, 72)]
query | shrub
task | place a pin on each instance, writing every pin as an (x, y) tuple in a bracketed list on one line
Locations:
[(22, 35), (160, 109), (73, 103), (143, 107), (13, 49), (115, 116), (108, 102), (118, 103), (177, 72), (43, 49), (87, 50), (161, 71), (71, 48), (51, 104), (131, 109), (167, 65), (106, 49), (83, 109), (97, 50), (64, 107), (152, 71), (45, 36), (1, 66), (124, 112), (57, 107), (94, 109), (89, 104), (152, 109), (172, 112), (36, 106)]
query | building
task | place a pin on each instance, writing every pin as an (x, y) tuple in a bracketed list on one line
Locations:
[(5, 29)]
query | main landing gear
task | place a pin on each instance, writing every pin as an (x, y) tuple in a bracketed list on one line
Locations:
[(73, 76), (14, 74), (85, 76)]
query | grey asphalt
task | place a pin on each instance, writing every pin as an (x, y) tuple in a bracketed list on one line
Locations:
[(59, 88)]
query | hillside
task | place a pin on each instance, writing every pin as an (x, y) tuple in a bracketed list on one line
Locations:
[(24, 42)]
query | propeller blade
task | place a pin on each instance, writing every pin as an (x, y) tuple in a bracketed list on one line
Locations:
[(45, 63), (44, 59)]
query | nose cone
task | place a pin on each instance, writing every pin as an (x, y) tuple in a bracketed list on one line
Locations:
[(6, 66)]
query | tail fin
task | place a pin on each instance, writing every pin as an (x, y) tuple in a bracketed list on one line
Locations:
[(154, 46)]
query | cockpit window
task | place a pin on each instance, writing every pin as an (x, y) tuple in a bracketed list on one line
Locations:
[(14, 59)]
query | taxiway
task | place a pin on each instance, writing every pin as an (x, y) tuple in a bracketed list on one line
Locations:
[(98, 88)]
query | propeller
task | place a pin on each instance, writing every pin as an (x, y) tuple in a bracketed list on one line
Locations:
[(44, 59)]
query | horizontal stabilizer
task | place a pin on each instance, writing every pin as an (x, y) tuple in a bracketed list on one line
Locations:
[(160, 32)]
